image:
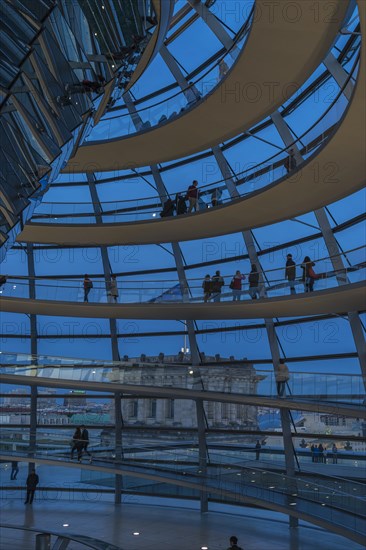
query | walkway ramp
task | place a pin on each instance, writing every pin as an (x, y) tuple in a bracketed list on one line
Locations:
[(337, 300), (290, 496), (287, 42)]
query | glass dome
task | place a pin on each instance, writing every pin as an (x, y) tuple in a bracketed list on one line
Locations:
[(276, 220)]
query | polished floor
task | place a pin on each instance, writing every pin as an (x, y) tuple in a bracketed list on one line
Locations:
[(159, 526)]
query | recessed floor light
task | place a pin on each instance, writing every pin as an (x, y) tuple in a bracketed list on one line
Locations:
[(136, 533), (65, 525)]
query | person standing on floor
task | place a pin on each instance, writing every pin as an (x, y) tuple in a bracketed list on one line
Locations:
[(308, 274), (14, 470), (217, 282), (282, 375), (321, 453), (180, 205), (290, 273), (85, 441), (236, 285), (31, 483), (112, 291), (207, 286), (192, 196), (234, 543), (312, 450), (254, 282), (168, 208), (334, 453), (76, 443), (88, 285)]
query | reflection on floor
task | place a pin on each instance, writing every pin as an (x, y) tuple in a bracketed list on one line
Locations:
[(160, 526)]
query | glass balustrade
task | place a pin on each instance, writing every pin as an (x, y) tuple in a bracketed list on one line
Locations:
[(236, 476), (170, 453), (337, 388), (171, 291)]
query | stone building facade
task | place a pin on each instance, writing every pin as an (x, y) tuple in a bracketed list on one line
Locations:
[(181, 413)]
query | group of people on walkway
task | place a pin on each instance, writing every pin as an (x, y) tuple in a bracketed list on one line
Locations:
[(320, 454), (191, 201), (212, 286), (79, 443), (192, 195), (111, 285), (308, 274), (84, 86)]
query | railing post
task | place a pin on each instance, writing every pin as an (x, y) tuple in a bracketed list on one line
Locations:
[(118, 445), (202, 449), (33, 426)]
